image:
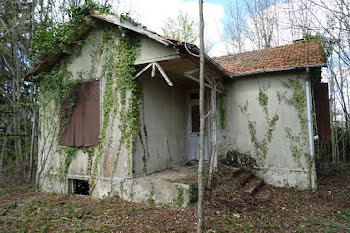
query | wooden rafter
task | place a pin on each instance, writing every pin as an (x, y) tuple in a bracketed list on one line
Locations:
[(209, 84), (154, 65)]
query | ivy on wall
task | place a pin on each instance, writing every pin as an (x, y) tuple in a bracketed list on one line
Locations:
[(120, 50), (63, 35), (261, 144), (117, 49), (299, 141)]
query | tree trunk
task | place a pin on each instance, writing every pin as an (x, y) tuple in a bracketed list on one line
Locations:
[(2, 157), (202, 121), (212, 164), (30, 172)]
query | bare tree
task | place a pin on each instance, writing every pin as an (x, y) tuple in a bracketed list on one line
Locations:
[(329, 23), (17, 26), (181, 28), (262, 22), (258, 27), (202, 121), (235, 28)]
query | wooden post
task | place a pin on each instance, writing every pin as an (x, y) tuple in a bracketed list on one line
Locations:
[(213, 154)]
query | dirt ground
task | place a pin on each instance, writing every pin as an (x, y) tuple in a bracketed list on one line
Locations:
[(23, 209)]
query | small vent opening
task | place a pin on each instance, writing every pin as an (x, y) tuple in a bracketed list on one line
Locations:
[(80, 187)]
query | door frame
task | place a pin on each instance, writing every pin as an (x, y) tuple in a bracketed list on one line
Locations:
[(189, 133)]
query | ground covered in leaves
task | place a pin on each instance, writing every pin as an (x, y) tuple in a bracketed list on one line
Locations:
[(22, 209)]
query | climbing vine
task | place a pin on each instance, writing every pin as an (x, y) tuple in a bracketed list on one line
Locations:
[(55, 39), (221, 111), (298, 100), (299, 141), (70, 155), (121, 48), (122, 96), (261, 145)]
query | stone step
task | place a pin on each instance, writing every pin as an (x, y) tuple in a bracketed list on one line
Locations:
[(253, 186), (245, 177), (236, 171)]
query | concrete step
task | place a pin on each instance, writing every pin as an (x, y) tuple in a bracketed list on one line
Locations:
[(253, 186), (245, 177), (237, 171)]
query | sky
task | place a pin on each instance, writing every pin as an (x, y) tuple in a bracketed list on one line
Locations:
[(154, 13)]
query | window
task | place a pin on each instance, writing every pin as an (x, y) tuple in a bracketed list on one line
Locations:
[(82, 127), (80, 187)]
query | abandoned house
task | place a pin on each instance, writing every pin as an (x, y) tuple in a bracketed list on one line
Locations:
[(135, 136)]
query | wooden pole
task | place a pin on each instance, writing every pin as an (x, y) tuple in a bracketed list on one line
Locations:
[(202, 121), (213, 162)]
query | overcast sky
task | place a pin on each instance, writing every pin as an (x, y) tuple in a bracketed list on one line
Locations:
[(153, 14)]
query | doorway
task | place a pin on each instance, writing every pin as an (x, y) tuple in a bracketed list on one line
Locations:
[(193, 128)]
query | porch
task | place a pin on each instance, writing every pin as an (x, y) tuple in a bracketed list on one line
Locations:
[(175, 186), (169, 134)]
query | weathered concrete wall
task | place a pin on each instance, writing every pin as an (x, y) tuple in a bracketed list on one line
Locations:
[(281, 156), (114, 163), (91, 166), (163, 127), (153, 51)]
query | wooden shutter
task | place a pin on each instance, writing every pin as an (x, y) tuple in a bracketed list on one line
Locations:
[(321, 99), (67, 120), (83, 126), (79, 116), (91, 118)]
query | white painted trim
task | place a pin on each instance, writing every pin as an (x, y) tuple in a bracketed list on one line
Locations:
[(136, 28), (163, 74), (141, 71), (233, 75), (157, 59)]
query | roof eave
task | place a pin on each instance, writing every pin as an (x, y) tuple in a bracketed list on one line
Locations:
[(238, 75), (136, 28), (196, 50), (46, 62)]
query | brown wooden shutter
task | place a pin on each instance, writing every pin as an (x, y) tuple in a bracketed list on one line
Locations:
[(83, 126), (67, 121), (321, 99), (91, 118), (79, 116)]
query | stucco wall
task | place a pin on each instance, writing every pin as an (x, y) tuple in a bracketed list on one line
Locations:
[(114, 163), (85, 66), (280, 165), (164, 119)]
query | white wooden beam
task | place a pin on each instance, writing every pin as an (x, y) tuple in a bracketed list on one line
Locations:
[(153, 73), (206, 116), (153, 70), (205, 84), (163, 74), (208, 80), (192, 71), (141, 71)]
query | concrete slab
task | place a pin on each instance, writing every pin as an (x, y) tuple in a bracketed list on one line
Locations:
[(181, 174), (175, 186)]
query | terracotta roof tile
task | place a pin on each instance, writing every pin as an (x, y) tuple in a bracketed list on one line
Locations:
[(298, 54)]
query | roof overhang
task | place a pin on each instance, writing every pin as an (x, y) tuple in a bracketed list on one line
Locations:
[(185, 49), (233, 75)]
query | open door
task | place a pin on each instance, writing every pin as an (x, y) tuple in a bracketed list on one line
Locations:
[(193, 129)]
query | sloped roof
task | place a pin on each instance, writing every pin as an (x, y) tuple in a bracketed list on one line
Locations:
[(50, 59), (300, 54)]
